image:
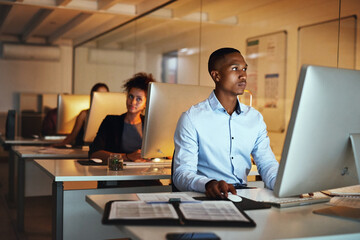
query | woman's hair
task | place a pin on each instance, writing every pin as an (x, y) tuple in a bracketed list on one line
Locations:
[(95, 88), (140, 80)]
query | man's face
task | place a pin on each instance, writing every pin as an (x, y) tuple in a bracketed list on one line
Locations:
[(136, 100), (230, 74)]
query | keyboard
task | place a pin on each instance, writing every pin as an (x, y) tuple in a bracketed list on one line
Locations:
[(293, 202), (151, 163)]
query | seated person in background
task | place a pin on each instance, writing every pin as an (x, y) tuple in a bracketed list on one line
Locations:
[(123, 134), (48, 127), (215, 138), (77, 134)]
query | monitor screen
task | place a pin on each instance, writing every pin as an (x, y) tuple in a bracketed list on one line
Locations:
[(69, 107), (318, 153), (165, 103), (103, 104)]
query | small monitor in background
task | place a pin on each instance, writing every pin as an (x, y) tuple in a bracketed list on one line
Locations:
[(10, 125), (103, 104), (323, 135), (69, 107), (165, 103)]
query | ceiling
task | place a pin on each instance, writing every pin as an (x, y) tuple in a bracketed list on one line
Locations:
[(67, 22), (73, 22)]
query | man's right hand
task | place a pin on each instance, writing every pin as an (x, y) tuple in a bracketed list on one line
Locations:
[(219, 189)]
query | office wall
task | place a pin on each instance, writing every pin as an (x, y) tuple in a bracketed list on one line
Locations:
[(34, 76), (206, 28)]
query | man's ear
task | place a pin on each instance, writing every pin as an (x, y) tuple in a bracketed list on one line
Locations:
[(215, 76)]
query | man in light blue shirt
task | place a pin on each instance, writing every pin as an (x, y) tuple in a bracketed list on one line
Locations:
[(214, 140)]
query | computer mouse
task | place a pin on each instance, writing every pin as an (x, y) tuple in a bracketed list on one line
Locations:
[(234, 198), (97, 160)]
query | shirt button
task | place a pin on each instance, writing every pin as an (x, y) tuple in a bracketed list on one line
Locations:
[(232, 157), (232, 137)]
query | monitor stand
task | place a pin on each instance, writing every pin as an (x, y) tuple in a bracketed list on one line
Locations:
[(342, 211), (355, 143)]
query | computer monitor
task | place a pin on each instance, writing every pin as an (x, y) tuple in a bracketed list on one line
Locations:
[(318, 152), (69, 107), (165, 103), (103, 104)]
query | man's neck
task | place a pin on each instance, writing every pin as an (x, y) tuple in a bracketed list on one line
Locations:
[(228, 101)]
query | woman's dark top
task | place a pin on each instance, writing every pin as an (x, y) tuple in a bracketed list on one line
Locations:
[(108, 138), (109, 135), (79, 140)]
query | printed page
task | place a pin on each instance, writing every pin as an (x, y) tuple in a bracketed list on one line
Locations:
[(345, 191), (267, 195), (212, 211), (141, 210), (353, 202), (163, 197)]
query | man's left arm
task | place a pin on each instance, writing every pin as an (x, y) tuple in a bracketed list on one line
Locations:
[(264, 157)]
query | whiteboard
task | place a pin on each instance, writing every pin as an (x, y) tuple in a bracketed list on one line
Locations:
[(266, 57)]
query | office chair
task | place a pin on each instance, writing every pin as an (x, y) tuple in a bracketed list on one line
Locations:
[(173, 188), (10, 124), (244, 96)]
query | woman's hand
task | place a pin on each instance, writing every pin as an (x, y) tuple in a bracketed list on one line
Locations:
[(134, 156)]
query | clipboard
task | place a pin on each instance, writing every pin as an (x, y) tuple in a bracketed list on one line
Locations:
[(245, 204), (180, 219)]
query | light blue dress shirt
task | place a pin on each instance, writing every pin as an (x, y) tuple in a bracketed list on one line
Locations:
[(211, 144)]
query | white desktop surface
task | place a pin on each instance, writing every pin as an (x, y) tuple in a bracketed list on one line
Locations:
[(273, 223), (73, 212), (71, 170), (35, 152), (27, 141)]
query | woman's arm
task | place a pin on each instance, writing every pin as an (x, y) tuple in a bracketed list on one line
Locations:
[(80, 121)]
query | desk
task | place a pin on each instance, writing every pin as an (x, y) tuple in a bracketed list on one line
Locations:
[(72, 216), (27, 153), (7, 144), (273, 223), (27, 141)]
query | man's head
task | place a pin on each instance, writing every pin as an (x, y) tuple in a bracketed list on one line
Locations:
[(217, 56), (227, 67)]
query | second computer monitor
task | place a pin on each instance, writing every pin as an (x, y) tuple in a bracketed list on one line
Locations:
[(318, 152), (165, 103), (69, 107), (103, 104)]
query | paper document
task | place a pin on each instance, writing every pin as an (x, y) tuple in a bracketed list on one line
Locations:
[(163, 197), (267, 195), (212, 211), (345, 191), (141, 210), (353, 202)]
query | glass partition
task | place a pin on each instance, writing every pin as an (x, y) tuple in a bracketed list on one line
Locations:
[(276, 37)]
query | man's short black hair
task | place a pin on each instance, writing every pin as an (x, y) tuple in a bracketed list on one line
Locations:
[(217, 55)]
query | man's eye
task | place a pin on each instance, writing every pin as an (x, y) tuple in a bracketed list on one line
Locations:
[(234, 69), (244, 69), (139, 99)]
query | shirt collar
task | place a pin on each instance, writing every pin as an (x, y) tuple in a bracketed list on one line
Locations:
[(215, 104)]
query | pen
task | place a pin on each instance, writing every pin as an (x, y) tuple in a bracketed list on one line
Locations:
[(160, 202)]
